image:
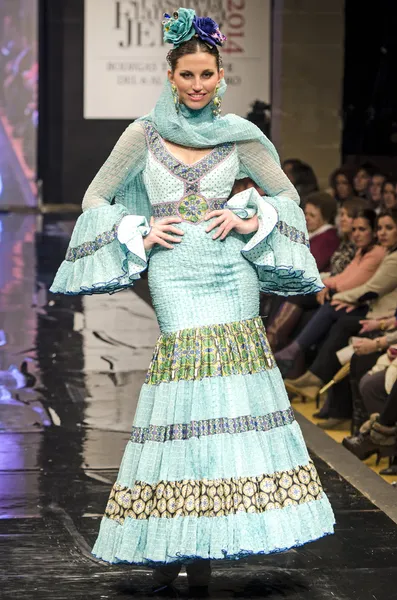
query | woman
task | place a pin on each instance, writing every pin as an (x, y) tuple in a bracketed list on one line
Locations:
[(367, 259), (302, 176), (362, 180), (341, 183), (290, 313), (213, 432), (389, 195), (341, 319), (320, 213)]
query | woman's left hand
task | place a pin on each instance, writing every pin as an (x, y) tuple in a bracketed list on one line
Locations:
[(365, 346), (341, 305), (226, 220)]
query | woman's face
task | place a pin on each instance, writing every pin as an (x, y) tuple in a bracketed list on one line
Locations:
[(314, 218), (362, 233), (345, 222), (389, 196), (387, 232), (375, 188), (343, 187), (196, 77), (361, 180)]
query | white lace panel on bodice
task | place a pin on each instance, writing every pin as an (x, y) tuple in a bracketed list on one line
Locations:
[(167, 179)]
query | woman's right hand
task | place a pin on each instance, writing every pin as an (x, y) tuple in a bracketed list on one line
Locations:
[(322, 296), (160, 233)]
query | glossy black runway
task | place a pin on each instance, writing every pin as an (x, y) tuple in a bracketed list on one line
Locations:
[(61, 440)]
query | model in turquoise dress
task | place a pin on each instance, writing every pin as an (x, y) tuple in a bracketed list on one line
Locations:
[(216, 466)]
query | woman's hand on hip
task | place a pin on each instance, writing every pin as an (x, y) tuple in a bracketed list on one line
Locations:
[(160, 233), (226, 220)]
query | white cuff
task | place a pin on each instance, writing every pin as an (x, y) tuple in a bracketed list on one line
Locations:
[(130, 231), (248, 203)]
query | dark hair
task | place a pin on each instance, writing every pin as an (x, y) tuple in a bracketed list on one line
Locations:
[(389, 182), (390, 212), (369, 215), (368, 167), (354, 205), (346, 172), (304, 178), (325, 203), (191, 47)]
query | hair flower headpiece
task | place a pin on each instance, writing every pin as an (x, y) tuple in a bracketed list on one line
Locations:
[(184, 24)]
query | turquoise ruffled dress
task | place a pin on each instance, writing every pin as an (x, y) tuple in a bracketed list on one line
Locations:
[(216, 466)]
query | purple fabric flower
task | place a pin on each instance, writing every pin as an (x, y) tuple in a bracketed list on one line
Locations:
[(208, 30)]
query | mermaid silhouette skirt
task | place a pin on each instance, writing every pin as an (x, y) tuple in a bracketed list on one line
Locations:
[(216, 466)]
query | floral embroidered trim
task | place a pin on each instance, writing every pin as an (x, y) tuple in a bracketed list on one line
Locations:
[(238, 348), (89, 248), (292, 233), (186, 431), (189, 173), (191, 208), (215, 498)]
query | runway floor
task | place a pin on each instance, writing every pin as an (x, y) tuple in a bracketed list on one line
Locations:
[(61, 441)]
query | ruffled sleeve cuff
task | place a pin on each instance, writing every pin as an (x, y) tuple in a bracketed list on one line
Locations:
[(105, 254), (279, 249)]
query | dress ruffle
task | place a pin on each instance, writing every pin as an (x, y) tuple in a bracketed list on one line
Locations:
[(280, 248), (96, 261), (160, 540)]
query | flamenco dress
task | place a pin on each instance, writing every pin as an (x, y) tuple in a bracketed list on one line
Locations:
[(216, 466)]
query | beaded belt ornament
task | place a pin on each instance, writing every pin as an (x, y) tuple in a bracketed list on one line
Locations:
[(191, 208)]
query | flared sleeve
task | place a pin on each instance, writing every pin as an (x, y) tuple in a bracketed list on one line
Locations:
[(281, 252), (106, 251)]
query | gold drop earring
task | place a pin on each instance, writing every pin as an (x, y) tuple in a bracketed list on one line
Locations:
[(175, 96), (217, 103)]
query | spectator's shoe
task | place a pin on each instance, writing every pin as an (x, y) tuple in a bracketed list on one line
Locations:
[(198, 591), (307, 386), (320, 414), (333, 423), (361, 445), (392, 468), (374, 438)]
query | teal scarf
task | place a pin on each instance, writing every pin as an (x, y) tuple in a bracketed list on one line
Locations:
[(199, 128)]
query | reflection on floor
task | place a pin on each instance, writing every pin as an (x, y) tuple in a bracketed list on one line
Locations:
[(64, 422), (17, 180)]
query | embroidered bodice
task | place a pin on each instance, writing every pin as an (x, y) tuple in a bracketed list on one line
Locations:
[(142, 150), (204, 185)]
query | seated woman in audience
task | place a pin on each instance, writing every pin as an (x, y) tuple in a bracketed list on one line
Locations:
[(344, 398), (301, 176), (378, 435), (366, 260), (336, 321), (290, 313), (389, 195), (341, 184), (320, 212)]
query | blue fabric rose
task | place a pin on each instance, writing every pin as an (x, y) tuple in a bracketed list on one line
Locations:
[(178, 28), (206, 28)]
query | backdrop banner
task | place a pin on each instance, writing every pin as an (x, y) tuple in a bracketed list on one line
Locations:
[(124, 54)]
